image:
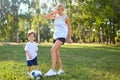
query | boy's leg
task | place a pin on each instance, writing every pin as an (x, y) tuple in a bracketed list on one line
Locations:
[(29, 64), (29, 68), (29, 71), (35, 63), (36, 67)]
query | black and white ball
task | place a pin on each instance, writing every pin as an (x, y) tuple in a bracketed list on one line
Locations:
[(36, 74)]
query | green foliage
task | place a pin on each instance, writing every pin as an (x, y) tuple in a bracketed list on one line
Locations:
[(86, 16)]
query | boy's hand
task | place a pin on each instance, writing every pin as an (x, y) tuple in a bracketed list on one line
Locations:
[(30, 57)]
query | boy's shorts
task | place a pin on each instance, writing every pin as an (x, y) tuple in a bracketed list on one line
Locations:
[(32, 62), (60, 39)]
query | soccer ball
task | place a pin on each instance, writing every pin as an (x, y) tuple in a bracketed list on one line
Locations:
[(36, 74)]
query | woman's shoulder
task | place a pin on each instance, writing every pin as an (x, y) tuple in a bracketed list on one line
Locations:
[(67, 17)]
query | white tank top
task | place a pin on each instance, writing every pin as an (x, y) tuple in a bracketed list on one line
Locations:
[(61, 28)]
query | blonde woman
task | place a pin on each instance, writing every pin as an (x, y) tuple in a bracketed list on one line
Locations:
[(62, 32)]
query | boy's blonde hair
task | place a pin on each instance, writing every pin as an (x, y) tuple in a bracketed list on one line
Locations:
[(31, 32)]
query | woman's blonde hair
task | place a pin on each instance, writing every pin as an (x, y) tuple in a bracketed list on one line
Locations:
[(61, 5)]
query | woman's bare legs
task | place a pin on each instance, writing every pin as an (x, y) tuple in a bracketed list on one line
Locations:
[(54, 54), (55, 58), (59, 59)]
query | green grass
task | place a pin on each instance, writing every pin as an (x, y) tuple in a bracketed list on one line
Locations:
[(81, 62)]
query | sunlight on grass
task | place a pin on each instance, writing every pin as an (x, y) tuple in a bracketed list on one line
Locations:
[(11, 70), (80, 61), (102, 75)]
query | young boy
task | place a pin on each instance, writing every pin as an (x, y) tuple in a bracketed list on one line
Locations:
[(31, 49)]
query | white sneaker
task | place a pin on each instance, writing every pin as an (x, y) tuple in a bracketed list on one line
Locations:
[(60, 71), (29, 74), (51, 73)]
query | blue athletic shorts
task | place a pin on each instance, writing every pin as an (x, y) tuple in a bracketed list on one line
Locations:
[(32, 62)]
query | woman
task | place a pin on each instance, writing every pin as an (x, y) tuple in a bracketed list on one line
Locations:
[(62, 32)]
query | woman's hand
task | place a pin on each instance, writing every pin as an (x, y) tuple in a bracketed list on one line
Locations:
[(51, 15), (55, 11), (69, 40)]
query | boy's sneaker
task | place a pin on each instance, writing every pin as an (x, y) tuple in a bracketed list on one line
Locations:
[(51, 73), (60, 71), (29, 74)]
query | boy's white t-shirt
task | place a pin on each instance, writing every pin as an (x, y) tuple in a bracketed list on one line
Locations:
[(32, 48)]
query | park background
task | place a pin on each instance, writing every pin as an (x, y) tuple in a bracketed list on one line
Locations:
[(91, 20), (94, 54)]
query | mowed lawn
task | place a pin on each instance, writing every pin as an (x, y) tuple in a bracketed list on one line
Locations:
[(80, 61)]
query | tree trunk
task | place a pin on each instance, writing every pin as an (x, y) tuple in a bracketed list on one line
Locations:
[(90, 35), (80, 34), (114, 34), (101, 35), (107, 38), (17, 40), (39, 33), (84, 40)]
